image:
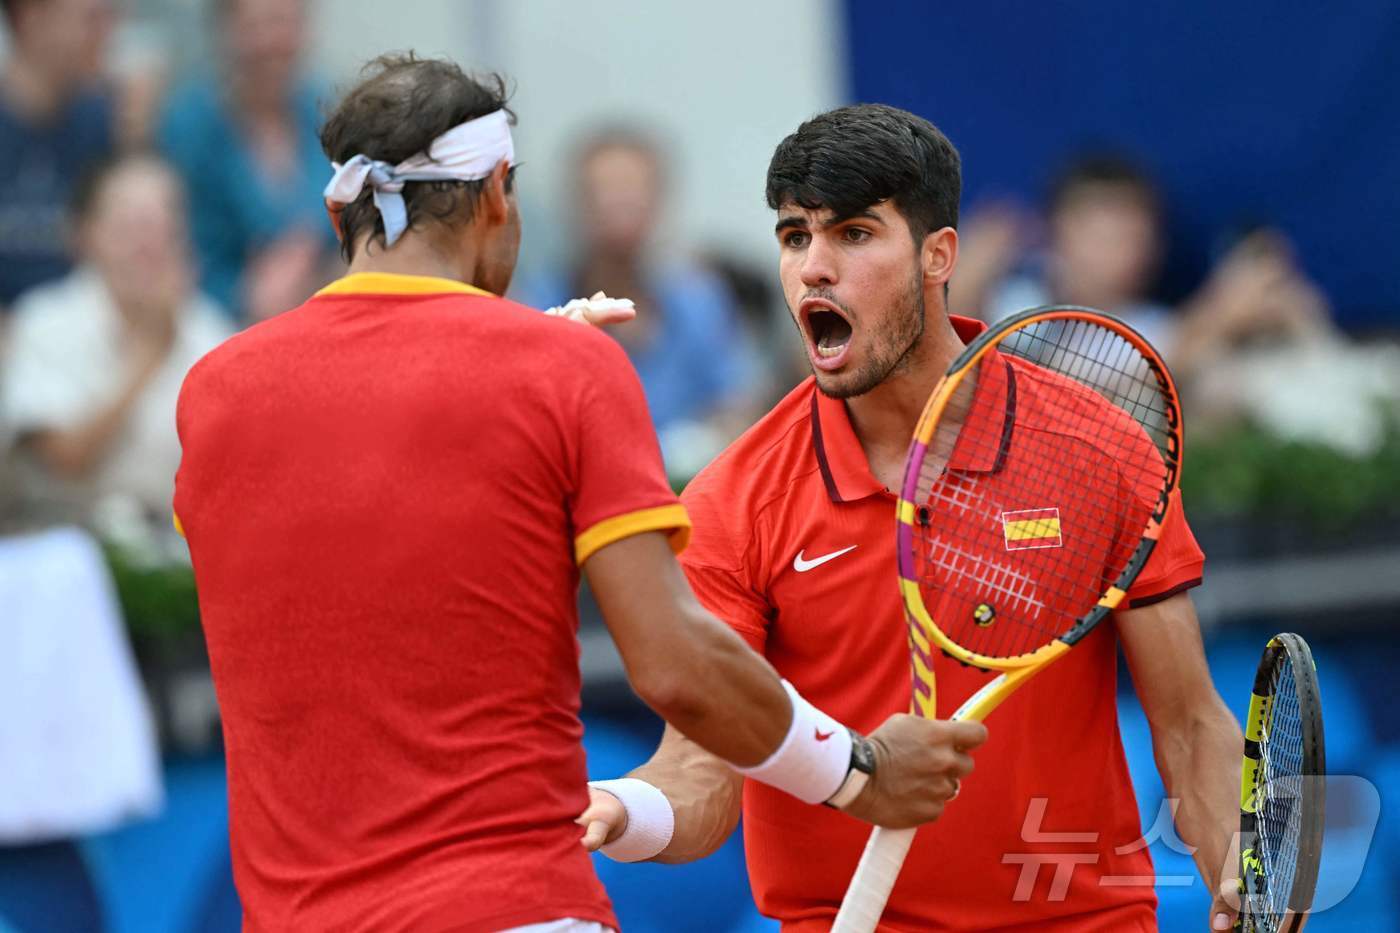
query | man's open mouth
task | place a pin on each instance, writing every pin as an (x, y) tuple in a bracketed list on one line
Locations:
[(828, 333)]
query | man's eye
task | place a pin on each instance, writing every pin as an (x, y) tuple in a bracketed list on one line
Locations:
[(795, 240), (857, 235)]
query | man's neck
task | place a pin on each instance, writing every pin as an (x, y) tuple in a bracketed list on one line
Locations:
[(29, 90), (412, 255)]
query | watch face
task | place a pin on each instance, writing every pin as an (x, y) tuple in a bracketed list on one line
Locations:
[(863, 755)]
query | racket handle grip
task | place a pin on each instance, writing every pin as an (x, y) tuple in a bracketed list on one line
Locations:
[(873, 881)]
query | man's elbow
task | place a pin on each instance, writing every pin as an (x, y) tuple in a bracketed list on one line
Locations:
[(673, 693)]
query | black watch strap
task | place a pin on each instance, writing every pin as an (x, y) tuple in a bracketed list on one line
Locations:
[(861, 769)]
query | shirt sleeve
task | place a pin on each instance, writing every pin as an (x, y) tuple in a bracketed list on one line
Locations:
[(619, 486), (719, 561), (1176, 563)]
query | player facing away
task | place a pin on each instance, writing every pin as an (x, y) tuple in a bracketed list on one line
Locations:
[(389, 493), (793, 546)]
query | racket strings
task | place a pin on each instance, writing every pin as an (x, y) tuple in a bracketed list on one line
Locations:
[(1089, 439), (1279, 805)]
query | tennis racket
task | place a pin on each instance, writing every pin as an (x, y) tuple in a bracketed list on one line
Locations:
[(1282, 797), (1007, 577)]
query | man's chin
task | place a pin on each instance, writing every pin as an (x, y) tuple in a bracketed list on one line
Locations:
[(844, 385)]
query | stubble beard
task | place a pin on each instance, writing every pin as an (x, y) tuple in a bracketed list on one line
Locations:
[(892, 353)]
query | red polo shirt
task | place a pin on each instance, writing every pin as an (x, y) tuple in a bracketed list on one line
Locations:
[(387, 493), (794, 547)]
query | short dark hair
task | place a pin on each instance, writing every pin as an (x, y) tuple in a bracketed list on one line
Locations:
[(1099, 170), (847, 159), (402, 104)]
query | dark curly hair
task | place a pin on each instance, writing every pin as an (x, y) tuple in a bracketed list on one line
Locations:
[(401, 105)]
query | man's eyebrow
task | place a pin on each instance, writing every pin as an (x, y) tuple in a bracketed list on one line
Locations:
[(790, 222), (866, 214), (797, 222)]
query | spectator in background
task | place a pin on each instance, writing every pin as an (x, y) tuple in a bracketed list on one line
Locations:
[(687, 342), (95, 360), (56, 122), (245, 142), (1103, 250), (1104, 245)]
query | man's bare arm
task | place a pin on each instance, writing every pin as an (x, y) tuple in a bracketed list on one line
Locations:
[(1196, 740), (683, 662), (706, 682)]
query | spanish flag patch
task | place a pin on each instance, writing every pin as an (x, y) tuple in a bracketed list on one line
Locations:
[(1031, 528)]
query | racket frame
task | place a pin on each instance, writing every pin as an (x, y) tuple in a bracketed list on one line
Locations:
[(924, 633), (1292, 649), (884, 854)]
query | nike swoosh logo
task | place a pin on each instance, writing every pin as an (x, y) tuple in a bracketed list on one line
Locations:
[(802, 565), (820, 735)]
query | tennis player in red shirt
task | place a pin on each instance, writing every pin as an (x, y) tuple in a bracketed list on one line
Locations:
[(388, 494), (794, 548)]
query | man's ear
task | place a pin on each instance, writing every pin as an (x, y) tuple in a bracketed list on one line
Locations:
[(495, 202), (938, 256), (333, 211)]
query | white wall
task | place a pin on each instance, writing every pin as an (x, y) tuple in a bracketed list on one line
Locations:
[(722, 82)]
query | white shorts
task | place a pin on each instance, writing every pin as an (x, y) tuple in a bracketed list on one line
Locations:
[(567, 925)]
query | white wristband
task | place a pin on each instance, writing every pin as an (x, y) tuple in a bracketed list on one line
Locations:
[(812, 761), (650, 820)]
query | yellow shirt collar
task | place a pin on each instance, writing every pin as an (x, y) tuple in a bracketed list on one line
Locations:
[(394, 283)]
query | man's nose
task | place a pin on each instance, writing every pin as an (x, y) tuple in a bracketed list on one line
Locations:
[(818, 264)]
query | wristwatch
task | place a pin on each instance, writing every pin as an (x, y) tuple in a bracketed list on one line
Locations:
[(858, 775)]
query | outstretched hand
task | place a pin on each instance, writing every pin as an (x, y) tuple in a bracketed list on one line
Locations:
[(600, 310)]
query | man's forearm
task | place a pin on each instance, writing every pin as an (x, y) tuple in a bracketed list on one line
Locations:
[(1200, 765), (704, 794)]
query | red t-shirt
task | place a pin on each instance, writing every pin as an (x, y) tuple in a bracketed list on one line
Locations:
[(794, 547), (387, 494)]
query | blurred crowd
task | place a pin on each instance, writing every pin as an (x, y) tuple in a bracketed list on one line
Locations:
[(1255, 342), (146, 216)]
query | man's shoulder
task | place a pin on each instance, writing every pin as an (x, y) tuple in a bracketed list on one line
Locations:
[(766, 459)]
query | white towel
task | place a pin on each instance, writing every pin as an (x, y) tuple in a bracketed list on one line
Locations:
[(78, 751)]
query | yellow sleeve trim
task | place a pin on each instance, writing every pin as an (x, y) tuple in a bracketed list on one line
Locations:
[(672, 518), (178, 527)]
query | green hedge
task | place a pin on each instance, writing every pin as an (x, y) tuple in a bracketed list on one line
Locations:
[(158, 602), (1250, 473)]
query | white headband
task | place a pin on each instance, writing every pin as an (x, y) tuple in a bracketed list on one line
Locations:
[(467, 152)]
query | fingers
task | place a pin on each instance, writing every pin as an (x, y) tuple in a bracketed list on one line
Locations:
[(968, 735), (594, 835), (599, 310), (596, 827), (1224, 909), (613, 314)]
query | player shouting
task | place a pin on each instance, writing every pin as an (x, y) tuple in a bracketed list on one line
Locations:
[(794, 548)]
